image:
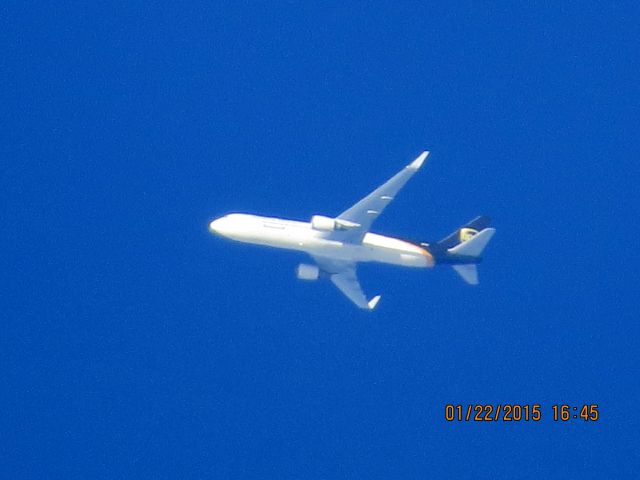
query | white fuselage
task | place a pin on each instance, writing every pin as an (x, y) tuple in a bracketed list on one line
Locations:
[(294, 235)]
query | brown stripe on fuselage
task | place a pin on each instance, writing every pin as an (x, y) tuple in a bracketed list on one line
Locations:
[(423, 251), (430, 258)]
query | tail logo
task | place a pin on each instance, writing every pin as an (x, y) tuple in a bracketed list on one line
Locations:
[(466, 234)]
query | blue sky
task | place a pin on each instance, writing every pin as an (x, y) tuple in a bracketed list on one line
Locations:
[(136, 345)]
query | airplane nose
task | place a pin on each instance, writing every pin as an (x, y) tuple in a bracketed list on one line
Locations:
[(214, 226)]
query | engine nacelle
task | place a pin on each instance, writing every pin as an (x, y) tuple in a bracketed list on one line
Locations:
[(326, 224), (308, 272), (323, 224)]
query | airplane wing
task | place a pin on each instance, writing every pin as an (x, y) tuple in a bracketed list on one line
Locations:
[(370, 207), (343, 275)]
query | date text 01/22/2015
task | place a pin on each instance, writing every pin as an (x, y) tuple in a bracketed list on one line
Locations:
[(519, 412)]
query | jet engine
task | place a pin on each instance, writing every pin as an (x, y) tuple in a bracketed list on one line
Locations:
[(307, 272), (324, 224)]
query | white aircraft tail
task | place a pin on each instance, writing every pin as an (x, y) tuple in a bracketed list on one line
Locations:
[(472, 247)]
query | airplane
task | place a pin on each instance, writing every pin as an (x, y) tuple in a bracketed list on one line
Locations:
[(338, 244)]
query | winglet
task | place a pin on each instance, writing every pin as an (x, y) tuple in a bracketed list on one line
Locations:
[(417, 163), (373, 302)]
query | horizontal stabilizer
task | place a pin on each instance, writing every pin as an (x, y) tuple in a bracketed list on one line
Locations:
[(468, 272), (475, 245)]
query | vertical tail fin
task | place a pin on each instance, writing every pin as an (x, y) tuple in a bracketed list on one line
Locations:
[(473, 246), (465, 232)]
